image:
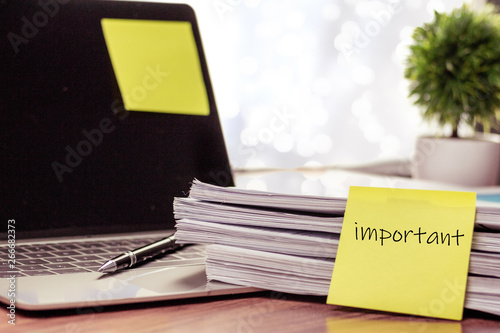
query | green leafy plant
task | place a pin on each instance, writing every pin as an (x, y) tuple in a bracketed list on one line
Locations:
[(454, 67)]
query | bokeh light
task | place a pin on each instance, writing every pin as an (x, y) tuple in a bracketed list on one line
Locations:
[(301, 81)]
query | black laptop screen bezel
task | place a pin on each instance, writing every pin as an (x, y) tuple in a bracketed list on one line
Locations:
[(194, 144)]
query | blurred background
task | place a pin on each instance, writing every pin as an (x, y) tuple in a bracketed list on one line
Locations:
[(302, 83)]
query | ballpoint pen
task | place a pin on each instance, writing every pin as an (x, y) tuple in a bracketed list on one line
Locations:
[(130, 258)]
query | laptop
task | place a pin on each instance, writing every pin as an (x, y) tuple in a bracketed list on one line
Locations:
[(106, 114)]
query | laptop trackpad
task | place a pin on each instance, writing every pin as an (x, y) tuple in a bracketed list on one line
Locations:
[(169, 280)]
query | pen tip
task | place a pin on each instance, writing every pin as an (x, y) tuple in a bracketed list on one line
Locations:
[(108, 267)]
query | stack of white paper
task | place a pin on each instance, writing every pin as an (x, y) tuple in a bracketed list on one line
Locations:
[(310, 276), (288, 243)]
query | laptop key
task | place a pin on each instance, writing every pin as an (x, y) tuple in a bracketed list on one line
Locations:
[(35, 255), (7, 269), (59, 266), (121, 249), (66, 253), (30, 267), (93, 245), (39, 273), (21, 256), (5, 265), (33, 261), (60, 259), (33, 248), (88, 258), (90, 264), (71, 270), (67, 246), (96, 251)]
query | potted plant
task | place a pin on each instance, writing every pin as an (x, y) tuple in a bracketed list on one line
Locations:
[(454, 73)]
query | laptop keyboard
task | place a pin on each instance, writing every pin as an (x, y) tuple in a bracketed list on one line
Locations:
[(88, 256)]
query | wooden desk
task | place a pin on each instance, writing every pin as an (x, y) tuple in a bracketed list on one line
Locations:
[(259, 312)]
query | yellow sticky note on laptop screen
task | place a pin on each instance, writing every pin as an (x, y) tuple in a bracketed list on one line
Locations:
[(156, 65), (404, 251)]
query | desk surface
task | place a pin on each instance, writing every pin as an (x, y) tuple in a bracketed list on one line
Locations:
[(258, 312)]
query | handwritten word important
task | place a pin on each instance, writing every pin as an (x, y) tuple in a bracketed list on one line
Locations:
[(407, 236)]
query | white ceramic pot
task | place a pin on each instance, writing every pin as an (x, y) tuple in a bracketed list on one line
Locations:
[(471, 162)]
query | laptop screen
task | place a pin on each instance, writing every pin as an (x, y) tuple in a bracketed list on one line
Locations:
[(106, 114)]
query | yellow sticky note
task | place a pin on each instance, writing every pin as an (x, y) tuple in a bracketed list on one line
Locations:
[(404, 251), (156, 65)]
